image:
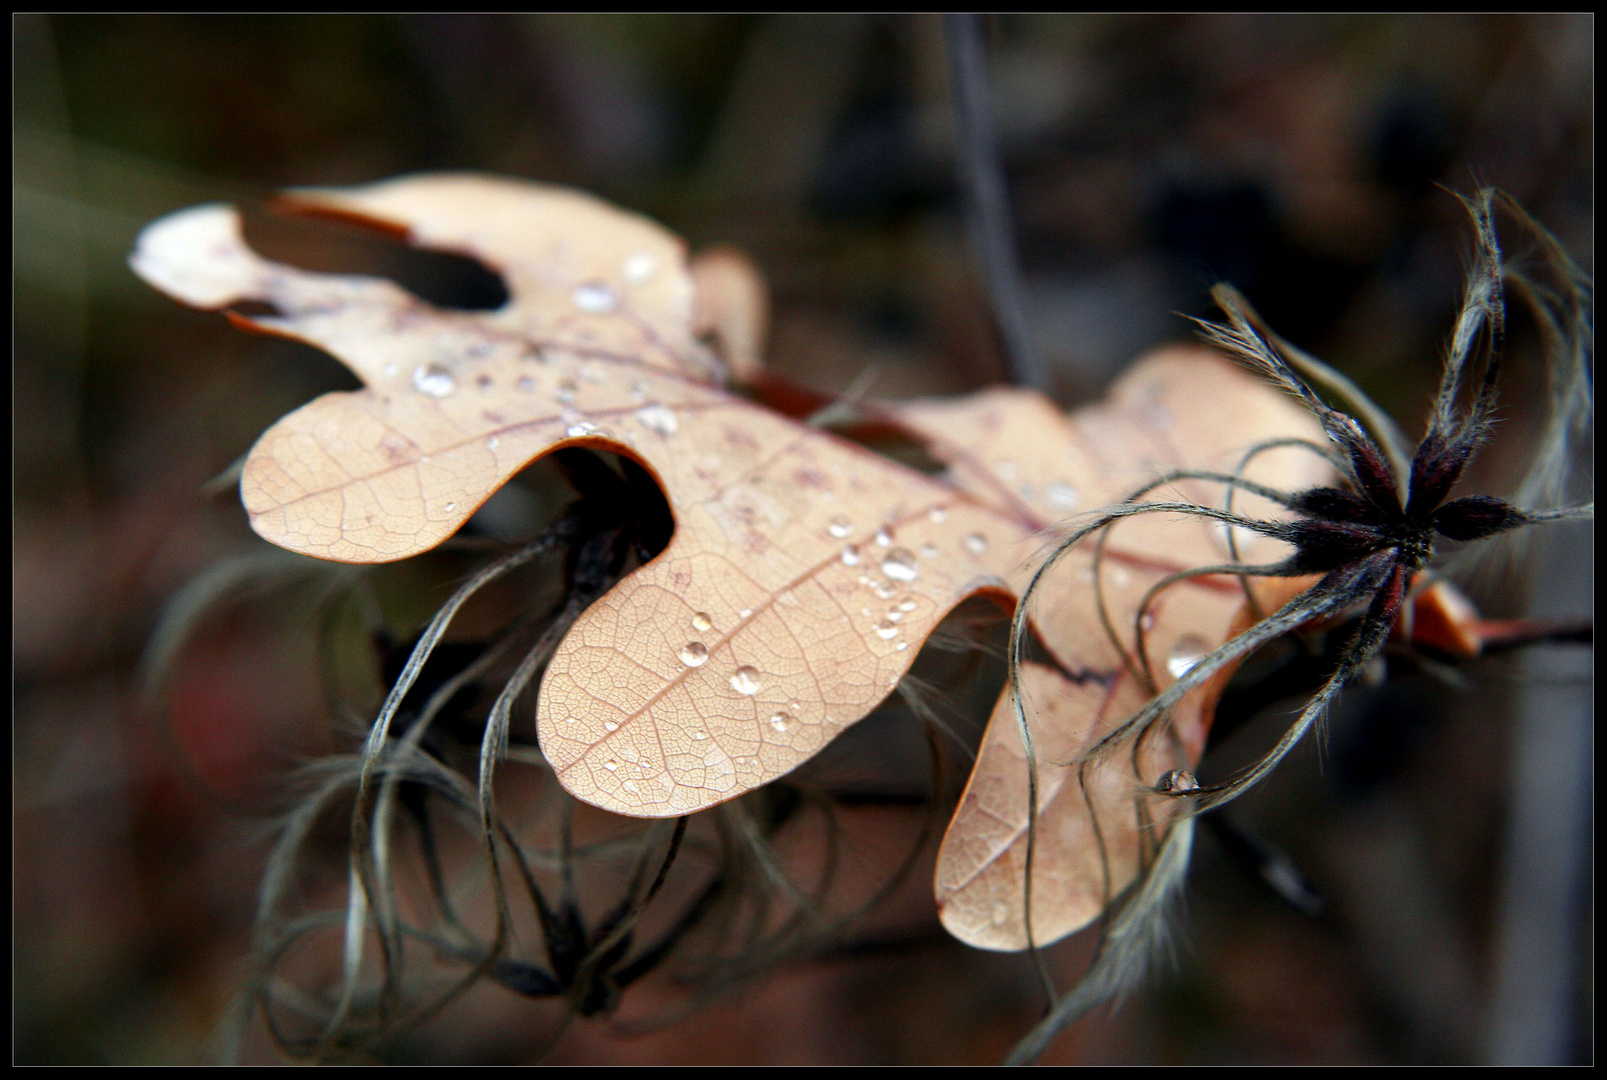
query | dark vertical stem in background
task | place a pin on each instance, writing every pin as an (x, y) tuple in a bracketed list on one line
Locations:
[(987, 205), (1541, 951)]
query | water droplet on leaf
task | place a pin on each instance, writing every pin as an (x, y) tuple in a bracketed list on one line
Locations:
[(899, 564), (976, 543), (694, 654), (701, 622), (850, 555), (745, 681), (640, 268), (434, 380), (840, 526), (660, 419), (596, 298)]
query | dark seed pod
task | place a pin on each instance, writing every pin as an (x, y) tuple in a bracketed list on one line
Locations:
[(1477, 516)]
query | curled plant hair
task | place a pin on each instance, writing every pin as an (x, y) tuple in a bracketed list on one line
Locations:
[(1367, 541), (443, 886)]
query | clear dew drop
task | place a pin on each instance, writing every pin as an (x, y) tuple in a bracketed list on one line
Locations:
[(660, 419), (609, 725), (886, 630), (434, 380), (1063, 496), (884, 537), (694, 654), (640, 268), (491, 442), (702, 623), (937, 515), (894, 615), (839, 526), (566, 391), (1176, 780), (902, 645), (907, 604), (581, 427), (899, 564), (610, 765), (451, 506), (744, 613), (781, 721), (976, 543), (595, 298), (850, 555), (1187, 651), (699, 736), (745, 681)]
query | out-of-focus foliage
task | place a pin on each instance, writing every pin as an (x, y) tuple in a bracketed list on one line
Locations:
[(1147, 158)]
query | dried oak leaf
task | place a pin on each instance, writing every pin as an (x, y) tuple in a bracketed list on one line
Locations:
[(1178, 408), (804, 571)]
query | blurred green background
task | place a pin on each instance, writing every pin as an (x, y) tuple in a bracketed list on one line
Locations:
[(1147, 157)]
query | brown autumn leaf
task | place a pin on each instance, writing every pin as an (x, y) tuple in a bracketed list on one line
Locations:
[(1178, 408), (804, 571)]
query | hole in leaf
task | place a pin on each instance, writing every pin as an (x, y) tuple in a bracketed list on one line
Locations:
[(340, 246)]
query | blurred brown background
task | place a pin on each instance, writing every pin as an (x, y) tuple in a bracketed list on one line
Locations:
[(1447, 829)]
